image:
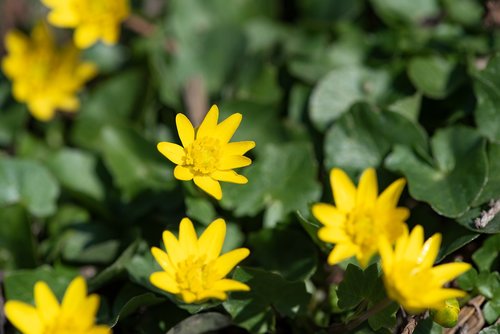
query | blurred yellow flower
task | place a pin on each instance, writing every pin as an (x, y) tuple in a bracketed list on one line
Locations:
[(193, 269), (207, 156), (409, 277), (359, 217), (93, 20), (75, 315), (44, 76)]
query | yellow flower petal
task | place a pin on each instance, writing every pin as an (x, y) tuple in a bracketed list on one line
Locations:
[(209, 294), (229, 176), (110, 34), (24, 317), (233, 161), (200, 274), (390, 196), (212, 239), (163, 260), (386, 254), (171, 151), (209, 123), (16, 42), (164, 281), (182, 173), (441, 295), (227, 128), (340, 253), (46, 302), (225, 263), (409, 277), (344, 192), (100, 330), (364, 257), (185, 129), (188, 240), (188, 297), (173, 247), (88, 311), (63, 19), (367, 192), (230, 285), (415, 242), (446, 272), (238, 148), (429, 251), (86, 35), (328, 214), (209, 185), (74, 297), (333, 234)]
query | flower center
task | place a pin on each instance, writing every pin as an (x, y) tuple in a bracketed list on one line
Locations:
[(193, 274), (203, 155), (360, 227)]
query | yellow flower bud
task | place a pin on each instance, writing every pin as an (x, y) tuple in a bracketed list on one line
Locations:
[(448, 315)]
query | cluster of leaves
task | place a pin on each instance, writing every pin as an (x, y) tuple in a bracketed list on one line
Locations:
[(408, 87)]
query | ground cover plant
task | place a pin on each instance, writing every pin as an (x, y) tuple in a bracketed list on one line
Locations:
[(249, 166)]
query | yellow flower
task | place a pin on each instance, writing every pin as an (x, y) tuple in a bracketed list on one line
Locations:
[(207, 156), (192, 267), (359, 217), (409, 277), (75, 315), (43, 76), (93, 20)]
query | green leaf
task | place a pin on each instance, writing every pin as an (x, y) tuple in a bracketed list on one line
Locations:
[(408, 107), (29, 183), (115, 97), (466, 12), (200, 209), (495, 329), (362, 138), (19, 284), (456, 177), (485, 256), (202, 323), (286, 177), (134, 162), (259, 83), (468, 280), (90, 243), (17, 246), (76, 171), (115, 269), (129, 299), (491, 190), (486, 87), (473, 218), (427, 326), (297, 263), (12, 121), (488, 283), (385, 318), (253, 310), (359, 285), (395, 12), (312, 227), (435, 76), (340, 89), (491, 310), (260, 123)]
